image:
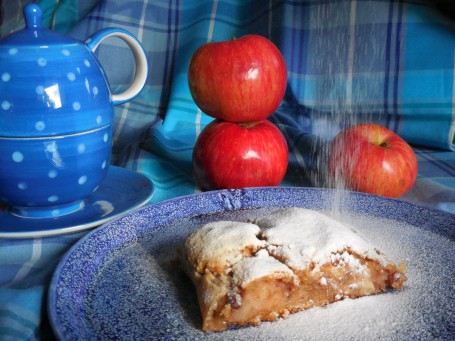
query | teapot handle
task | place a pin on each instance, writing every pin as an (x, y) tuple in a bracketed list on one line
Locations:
[(141, 69)]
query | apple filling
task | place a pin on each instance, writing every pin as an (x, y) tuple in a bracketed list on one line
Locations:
[(276, 277)]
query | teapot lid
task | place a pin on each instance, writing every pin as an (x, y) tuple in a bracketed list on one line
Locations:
[(34, 33)]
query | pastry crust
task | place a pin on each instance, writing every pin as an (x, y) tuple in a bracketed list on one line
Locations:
[(289, 260)]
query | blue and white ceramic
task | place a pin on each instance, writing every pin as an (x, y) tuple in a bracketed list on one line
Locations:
[(121, 191), (119, 282), (56, 172), (56, 115)]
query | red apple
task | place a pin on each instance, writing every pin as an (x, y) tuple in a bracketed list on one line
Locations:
[(372, 159), (242, 80), (238, 155)]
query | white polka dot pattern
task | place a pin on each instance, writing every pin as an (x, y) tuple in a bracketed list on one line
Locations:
[(52, 93), (39, 90), (6, 77), (42, 62), (52, 198), (6, 105), (52, 174), (58, 122), (62, 171), (18, 157), (40, 125), (81, 148)]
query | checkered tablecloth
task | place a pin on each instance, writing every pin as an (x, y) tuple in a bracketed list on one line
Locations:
[(349, 61)]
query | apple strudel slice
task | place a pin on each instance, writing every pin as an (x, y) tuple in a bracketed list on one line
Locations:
[(289, 260)]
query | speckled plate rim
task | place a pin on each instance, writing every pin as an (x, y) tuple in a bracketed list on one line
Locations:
[(113, 235), (65, 224)]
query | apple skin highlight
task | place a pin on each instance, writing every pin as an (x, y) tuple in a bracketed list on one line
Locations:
[(238, 155), (372, 159), (242, 80)]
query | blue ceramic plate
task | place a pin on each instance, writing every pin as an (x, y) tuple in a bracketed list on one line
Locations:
[(120, 281), (120, 192)]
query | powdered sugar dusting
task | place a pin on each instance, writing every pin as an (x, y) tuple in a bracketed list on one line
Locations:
[(347, 258), (224, 243), (314, 238), (151, 300), (251, 268), (291, 237)]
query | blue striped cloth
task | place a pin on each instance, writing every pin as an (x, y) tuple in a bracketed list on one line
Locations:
[(387, 61)]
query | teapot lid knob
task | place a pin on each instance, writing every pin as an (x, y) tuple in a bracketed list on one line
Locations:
[(34, 32), (33, 16)]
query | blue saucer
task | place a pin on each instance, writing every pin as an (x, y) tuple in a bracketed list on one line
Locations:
[(121, 192)]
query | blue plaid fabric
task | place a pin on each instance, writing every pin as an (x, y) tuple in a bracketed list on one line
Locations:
[(349, 61)]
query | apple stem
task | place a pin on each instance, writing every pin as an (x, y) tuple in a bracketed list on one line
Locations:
[(234, 38), (384, 144), (248, 124)]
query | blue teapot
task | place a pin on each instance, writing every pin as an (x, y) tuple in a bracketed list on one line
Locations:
[(56, 117)]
